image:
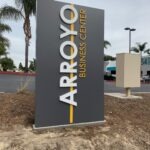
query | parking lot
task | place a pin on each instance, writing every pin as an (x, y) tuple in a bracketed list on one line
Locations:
[(12, 83)]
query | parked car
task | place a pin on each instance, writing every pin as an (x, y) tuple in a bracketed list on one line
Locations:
[(145, 78)]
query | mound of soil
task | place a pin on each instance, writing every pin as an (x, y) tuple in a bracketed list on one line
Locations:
[(127, 127), (16, 109)]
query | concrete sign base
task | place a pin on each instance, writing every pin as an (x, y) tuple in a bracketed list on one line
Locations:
[(122, 96)]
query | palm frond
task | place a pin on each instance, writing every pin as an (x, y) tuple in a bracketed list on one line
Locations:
[(8, 12), (147, 51), (135, 49), (29, 7), (142, 47), (106, 44), (2, 49), (4, 41), (4, 27), (19, 3)]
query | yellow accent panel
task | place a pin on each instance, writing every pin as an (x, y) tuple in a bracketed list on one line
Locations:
[(71, 75)]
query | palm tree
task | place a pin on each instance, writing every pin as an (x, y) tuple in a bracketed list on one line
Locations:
[(4, 42), (106, 44), (140, 48), (24, 10)]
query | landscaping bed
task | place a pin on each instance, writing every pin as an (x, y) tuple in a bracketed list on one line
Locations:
[(127, 127)]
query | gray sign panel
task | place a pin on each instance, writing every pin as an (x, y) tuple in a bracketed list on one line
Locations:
[(69, 83)]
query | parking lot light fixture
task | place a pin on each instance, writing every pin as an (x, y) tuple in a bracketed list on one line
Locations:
[(130, 30)]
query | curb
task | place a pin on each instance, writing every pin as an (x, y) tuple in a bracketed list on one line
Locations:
[(17, 73)]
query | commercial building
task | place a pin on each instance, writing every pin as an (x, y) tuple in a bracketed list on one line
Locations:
[(110, 66), (145, 68)]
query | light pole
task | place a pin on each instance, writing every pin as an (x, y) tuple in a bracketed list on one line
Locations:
[(128, 90), (130, 30)]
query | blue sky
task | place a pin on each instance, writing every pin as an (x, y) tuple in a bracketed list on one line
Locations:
[(118, 15)]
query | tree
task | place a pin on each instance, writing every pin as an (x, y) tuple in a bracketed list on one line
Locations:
[(32, 66), (140, 48), (21, 68), (7, 64), (107, 58), (106, 44), (23, 10), (4, 42)]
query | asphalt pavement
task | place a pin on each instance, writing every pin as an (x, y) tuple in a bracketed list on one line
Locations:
[(110, 87), (12, 83)]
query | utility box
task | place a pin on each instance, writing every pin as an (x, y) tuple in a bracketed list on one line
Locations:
[(128, 71)]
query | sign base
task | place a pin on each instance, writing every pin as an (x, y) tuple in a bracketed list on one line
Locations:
[(71, 125)]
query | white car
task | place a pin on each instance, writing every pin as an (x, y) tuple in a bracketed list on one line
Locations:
[(146, 78)]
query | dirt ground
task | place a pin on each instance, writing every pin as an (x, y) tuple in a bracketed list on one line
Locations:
[(127, 127)]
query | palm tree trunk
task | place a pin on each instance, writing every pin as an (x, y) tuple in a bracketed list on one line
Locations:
[(26, 53), (27, 31), (141, 64)]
